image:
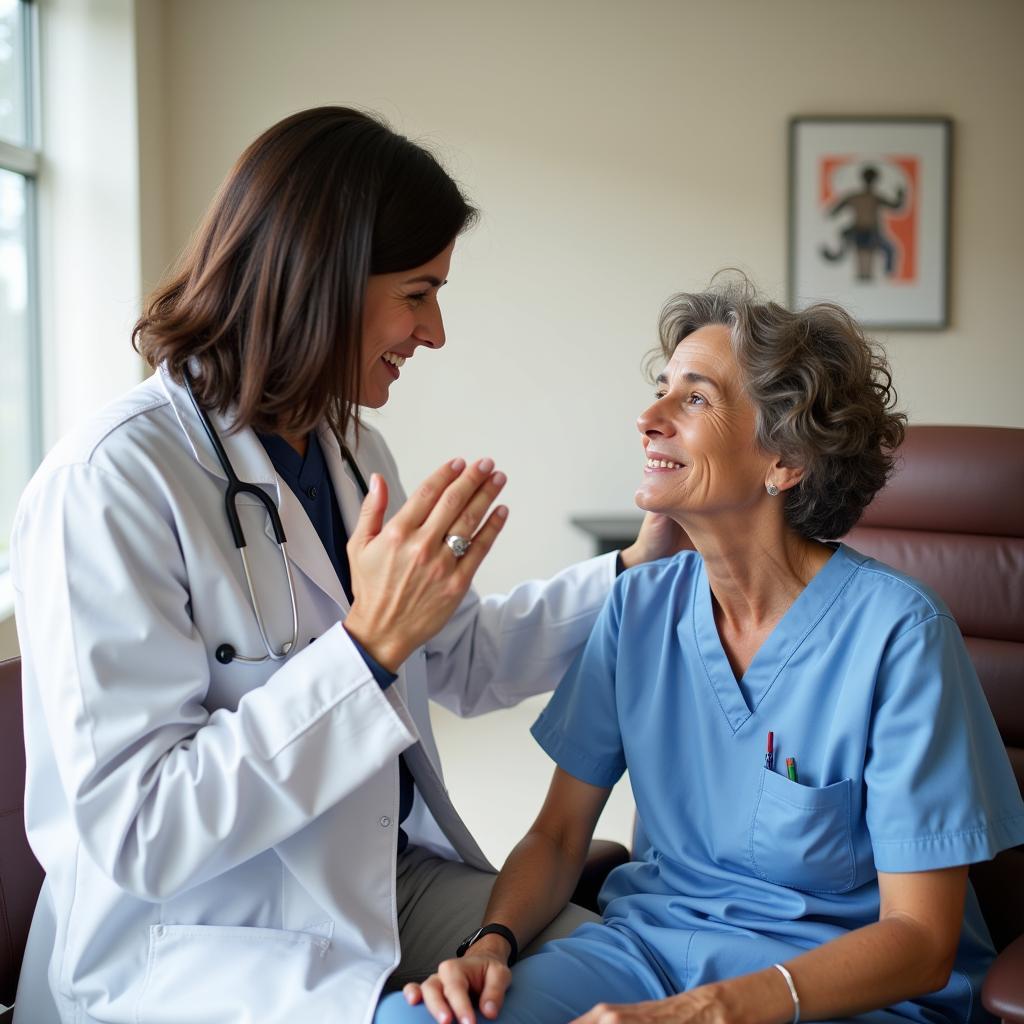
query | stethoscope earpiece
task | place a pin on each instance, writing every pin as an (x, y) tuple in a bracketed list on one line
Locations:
[(225, 654)]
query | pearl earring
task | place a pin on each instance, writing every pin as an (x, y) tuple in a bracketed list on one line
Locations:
[(771, 489)]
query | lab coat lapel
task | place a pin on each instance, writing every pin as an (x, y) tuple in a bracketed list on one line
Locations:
[(248, 457), (350, 497), (252, 464), (346, 487), (436, 797), (305, 550)]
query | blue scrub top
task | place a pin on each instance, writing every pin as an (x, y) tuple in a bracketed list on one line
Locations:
[(866, 682)]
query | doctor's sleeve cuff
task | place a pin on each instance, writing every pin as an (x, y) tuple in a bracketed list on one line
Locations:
[(384, 677), (581, 764)]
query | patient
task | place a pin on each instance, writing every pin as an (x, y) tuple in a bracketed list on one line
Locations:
[(829, 878)]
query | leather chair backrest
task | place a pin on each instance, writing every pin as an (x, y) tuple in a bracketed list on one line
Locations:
[(953, 516), (20, 874)]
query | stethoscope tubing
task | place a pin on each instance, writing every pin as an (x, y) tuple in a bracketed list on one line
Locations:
[(226, 653)]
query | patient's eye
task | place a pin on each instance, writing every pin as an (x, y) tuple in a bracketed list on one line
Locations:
[(696, 398)]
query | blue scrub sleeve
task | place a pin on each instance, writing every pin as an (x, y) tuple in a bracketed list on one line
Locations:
[(579, 729), (940, 790)]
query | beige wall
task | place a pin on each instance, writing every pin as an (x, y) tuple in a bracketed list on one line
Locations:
[(619, 152), (8, 639)]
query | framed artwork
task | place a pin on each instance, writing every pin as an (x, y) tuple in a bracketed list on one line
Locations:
[(869, 217)]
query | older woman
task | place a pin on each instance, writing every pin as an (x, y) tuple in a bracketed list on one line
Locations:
[(828, 878)]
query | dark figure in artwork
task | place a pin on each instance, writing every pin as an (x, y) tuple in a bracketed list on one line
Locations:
[(865, 234)]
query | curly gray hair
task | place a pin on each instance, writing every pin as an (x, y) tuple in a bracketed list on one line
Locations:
[(821, 390)]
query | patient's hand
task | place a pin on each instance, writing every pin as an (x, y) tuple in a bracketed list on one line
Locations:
[(703, 1005), (449, 993)]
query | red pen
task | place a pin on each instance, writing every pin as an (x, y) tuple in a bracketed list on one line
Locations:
[(769, 758)]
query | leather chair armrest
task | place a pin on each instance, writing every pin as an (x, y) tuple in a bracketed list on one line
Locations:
[(601, 858), (1003, 991)]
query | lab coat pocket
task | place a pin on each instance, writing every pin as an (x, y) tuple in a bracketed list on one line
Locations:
[(209, 974), (801, 836)]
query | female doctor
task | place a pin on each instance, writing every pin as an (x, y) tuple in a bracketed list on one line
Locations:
[(231, 620)]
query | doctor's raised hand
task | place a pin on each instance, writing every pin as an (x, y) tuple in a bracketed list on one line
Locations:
[(232, 620), (404, 580)]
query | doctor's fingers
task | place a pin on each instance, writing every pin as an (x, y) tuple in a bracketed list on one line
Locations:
[(466, 567), (468, 496), (371, 514), (466, 523), (421, 502)]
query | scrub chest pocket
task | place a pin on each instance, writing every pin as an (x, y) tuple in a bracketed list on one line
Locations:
[(801, 836)]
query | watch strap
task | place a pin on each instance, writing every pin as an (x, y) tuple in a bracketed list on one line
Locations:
[(491, 929)]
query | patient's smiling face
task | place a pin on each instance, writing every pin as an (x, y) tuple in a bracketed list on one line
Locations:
[(698, 435)]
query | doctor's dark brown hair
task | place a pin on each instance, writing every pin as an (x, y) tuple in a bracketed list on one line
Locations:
[(822, 394), (268, 298)]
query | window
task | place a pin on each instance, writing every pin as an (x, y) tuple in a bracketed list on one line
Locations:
[(20, 414)]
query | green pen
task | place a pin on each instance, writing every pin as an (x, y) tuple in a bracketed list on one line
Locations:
[(791, 769)]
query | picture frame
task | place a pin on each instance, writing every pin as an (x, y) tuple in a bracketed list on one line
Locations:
[(869, 217)]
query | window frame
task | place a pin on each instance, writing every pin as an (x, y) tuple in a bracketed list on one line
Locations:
[(25, 160)]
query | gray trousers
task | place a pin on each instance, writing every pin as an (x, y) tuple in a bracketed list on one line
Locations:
[(440, 902)]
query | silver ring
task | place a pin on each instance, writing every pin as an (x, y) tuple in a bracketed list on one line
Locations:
[(459, 545)]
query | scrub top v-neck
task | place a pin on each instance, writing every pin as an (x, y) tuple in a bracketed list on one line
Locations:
[(739, 699), (867, 683)]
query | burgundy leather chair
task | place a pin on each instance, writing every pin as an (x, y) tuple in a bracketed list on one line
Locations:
[(953, 516), (20, 874)]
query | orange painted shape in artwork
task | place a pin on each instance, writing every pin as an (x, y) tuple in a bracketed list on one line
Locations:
[(828, 166)]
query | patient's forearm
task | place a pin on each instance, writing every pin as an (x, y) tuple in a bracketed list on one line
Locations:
[(874, 966), (536, 882)]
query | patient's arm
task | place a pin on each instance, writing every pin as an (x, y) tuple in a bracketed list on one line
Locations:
[(908, 951), (534, 885)]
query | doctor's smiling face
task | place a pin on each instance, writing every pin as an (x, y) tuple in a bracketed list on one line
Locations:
[(699, 435), (400, 314)]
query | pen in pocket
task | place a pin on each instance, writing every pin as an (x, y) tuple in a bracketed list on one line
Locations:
[(791, 769), (769, 758)]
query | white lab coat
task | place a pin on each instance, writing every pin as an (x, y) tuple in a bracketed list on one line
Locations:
[(220, 840)]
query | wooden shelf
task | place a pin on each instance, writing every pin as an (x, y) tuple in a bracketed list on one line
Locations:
[(609, 532)]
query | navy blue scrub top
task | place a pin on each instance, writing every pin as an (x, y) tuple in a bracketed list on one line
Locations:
[(310, 482)]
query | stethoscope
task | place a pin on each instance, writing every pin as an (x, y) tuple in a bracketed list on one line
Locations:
[(225, 652)]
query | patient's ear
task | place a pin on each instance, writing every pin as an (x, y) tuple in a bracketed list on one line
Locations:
[(783, 477)]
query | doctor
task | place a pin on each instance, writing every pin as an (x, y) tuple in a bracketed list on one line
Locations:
[(231, 620)]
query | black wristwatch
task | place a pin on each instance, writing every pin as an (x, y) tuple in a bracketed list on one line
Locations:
[(491, 929)]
